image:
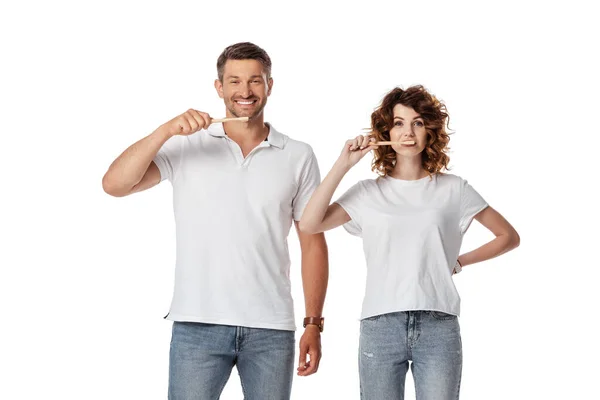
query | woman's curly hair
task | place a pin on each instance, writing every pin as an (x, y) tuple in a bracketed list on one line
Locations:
[(435, 117)]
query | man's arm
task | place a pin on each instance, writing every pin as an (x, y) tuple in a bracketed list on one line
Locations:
[(134, 171), (315, 274)]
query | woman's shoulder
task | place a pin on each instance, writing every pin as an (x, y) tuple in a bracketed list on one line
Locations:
[(364, 186), (449, 178), (371, 182)]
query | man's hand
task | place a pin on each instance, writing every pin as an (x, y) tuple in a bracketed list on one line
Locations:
[(310, 345), (187, 123)]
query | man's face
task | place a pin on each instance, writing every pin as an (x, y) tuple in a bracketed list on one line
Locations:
[(244, 88)]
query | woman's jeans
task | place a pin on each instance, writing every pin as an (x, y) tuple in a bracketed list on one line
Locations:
[(430, 340)]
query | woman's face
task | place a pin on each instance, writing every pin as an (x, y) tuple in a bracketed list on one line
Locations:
[(408, 128)]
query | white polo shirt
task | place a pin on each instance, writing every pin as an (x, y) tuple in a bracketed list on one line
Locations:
[(412, 233), (233, 217)]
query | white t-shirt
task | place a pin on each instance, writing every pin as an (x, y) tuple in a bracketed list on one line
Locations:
[(233, 217), (412, 232)]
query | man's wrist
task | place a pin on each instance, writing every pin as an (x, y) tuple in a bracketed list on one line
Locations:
[(317, 322), (163, 132)]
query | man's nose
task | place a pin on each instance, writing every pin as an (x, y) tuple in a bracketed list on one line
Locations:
[(246, 91)]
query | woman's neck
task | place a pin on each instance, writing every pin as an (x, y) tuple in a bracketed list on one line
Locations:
[(409, 168)]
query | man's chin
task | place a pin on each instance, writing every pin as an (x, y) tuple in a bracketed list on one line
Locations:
[(250, 114)]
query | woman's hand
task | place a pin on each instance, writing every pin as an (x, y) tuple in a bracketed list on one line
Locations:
[(355, 149)]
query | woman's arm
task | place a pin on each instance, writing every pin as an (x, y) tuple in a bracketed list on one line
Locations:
[(319, 215), (506, 239)]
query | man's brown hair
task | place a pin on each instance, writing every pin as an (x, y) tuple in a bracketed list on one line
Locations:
[(243, 51)]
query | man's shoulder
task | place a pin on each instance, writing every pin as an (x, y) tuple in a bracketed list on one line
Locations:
[(298, 145), (293, 145)]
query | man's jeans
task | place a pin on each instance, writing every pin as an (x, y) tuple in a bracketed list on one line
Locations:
[(430, 339), (203, 355)]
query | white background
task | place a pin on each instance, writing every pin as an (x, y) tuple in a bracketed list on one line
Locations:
[(86, 278)]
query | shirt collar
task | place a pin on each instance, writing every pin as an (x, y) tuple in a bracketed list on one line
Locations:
[(274, 139)]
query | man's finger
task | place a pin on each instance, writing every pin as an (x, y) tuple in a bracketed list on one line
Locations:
[(315, 358), (302, 356), (313, 365), (198, 118)]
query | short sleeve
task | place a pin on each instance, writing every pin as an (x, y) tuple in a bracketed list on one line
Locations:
[(169, 156), (310, 178), (471, 204), (351, 202)]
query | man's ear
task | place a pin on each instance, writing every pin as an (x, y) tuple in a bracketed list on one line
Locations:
[(270, 85), (219, 87)]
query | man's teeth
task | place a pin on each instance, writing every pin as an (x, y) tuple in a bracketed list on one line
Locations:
[(245, 102)]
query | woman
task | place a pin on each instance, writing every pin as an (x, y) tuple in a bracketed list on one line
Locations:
[(412, 219)]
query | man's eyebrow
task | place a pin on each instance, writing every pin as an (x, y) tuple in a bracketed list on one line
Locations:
[(237, 77)]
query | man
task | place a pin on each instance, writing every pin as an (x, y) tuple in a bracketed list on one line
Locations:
[(237, 187)]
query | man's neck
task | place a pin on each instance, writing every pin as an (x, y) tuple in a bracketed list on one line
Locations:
[(253, 131)]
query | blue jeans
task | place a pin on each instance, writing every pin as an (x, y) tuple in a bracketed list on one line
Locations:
[(430, 339), (203, 355)]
